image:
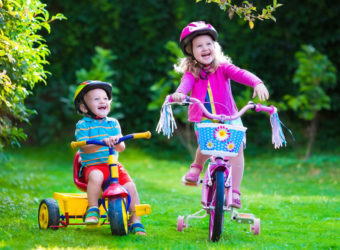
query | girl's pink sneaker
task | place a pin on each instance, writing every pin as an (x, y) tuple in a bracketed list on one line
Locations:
[(193, 177), (236, 202)]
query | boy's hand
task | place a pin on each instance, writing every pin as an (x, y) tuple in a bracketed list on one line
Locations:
[(261, 91), (178, 97), (111, 140)]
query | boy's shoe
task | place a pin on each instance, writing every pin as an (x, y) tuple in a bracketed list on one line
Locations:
[(137, 228), (236, 201), (92, 216), (193, 177)]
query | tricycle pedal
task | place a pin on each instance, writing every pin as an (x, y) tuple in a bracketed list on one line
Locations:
[(93, 225), (142, 209)]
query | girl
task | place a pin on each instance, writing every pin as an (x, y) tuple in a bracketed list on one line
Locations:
[(207, 73)]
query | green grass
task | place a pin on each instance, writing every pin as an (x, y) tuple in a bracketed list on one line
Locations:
[(298, 202)]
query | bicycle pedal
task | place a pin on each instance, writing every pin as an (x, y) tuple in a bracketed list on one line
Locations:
[(192, 184), (244, 218)]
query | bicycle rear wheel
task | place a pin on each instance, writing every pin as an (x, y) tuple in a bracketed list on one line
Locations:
[(118, 216), (216, 215)]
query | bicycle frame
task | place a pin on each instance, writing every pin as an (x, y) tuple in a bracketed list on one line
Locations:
[(217, 183)]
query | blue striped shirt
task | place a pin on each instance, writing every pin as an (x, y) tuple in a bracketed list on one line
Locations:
[(93, 129)]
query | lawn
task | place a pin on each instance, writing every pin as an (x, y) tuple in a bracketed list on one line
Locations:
[(298, 202)]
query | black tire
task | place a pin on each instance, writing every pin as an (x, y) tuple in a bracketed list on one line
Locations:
[(118, 216), (216, 216), (48, 214)]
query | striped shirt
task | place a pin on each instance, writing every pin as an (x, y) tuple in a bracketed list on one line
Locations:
[(94, 129)]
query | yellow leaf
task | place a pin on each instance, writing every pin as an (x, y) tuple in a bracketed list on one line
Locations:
[(251, 24)]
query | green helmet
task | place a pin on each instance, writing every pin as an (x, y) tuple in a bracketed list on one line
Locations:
[(85, 87)]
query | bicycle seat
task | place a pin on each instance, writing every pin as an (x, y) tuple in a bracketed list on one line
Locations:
[(79, 181)]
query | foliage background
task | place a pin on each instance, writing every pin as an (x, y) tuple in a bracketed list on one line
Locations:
[(137, 31)]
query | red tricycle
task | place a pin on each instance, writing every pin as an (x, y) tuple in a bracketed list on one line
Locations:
[(70, 208)]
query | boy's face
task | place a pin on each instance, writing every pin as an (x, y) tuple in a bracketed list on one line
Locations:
[(98, 102), (203, 49)]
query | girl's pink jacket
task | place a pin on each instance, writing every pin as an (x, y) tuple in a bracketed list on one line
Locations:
[(220, 86)]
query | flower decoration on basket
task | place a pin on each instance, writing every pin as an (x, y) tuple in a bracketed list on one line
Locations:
[(230, 147), (210, 145), (222, 133)]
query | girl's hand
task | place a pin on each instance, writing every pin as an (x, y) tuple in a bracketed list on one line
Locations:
[(261, 91), (178, 97), (111, 141)]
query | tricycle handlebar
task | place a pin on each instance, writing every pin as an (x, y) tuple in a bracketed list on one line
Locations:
[(146, 135)]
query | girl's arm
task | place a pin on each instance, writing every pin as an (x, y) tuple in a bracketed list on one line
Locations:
[(184, 88), (247, 78), (261, 91), (240, 75)]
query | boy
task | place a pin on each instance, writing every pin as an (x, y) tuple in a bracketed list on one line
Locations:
[(93, 100)]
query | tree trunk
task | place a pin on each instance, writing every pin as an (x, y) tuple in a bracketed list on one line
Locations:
[(313, 128), (187, 138)]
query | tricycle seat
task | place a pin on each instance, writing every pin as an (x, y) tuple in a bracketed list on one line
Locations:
[(79, 181)]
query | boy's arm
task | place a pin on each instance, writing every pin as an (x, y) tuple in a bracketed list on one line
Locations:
[(88, 149), (111, 142)]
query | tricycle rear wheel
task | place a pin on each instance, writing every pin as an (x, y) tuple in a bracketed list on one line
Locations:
[(118, 216), (48, 214)]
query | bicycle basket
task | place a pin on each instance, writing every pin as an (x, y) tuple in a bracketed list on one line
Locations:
[(219, 139)]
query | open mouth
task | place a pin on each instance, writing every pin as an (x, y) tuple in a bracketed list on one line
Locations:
[(206, 55)]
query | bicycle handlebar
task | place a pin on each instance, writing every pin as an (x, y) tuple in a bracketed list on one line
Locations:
[(222, 117), (167, 123), (146, 135)]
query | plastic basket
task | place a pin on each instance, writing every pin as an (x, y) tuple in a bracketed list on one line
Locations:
[(220, 139)]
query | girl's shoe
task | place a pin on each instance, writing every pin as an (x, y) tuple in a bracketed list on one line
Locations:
[(236, 200), (137, 228), (193, 177), (92, 216)]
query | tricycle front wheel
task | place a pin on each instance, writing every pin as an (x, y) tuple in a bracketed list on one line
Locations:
[(48, 214), (118, 216)]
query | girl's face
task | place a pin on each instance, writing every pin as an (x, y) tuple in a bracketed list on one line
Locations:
[(203, 49), (98, 102)]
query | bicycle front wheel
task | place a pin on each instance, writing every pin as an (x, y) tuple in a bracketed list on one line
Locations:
[(216, 215), (118, 216)]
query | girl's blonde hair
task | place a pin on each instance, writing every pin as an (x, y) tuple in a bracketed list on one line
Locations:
[(189, 63)]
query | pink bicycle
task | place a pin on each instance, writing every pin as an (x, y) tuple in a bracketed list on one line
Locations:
[(220, 141)]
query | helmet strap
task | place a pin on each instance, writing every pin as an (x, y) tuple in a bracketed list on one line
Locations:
[(90, 113), (206, 69)]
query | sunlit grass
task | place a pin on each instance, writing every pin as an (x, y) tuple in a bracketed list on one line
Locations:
[(298, 203)]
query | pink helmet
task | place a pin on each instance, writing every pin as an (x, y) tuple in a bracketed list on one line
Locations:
[(194, 29)]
